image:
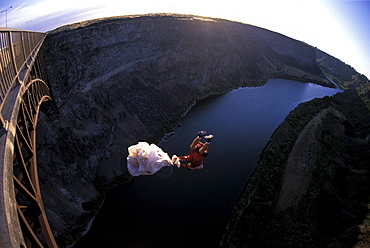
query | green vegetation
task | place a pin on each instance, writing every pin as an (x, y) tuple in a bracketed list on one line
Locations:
[(333, 206), (256, 222), (364, 92), (344, 75)]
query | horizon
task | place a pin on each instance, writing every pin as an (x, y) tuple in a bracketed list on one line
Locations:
[(337, 27)]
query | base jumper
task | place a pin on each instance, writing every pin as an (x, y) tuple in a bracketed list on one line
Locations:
[(145, 159), (198, 152)]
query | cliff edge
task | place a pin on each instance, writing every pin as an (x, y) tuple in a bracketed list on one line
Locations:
[(310, 188), (124, 79)]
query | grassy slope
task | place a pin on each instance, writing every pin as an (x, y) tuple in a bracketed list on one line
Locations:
[(333, 210)]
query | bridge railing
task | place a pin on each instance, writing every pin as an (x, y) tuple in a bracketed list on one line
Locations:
[(16, 57), (24, 91)]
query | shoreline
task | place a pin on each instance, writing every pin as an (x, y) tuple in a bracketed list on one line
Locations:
[(257, 208)]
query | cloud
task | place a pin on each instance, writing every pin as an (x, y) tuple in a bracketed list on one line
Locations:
[(312, 21), (49, 14)]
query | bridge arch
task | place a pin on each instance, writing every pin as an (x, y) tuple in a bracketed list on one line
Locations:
[(24, 92)]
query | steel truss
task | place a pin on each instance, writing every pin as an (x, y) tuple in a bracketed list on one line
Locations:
[(31, 212), (24, 92)]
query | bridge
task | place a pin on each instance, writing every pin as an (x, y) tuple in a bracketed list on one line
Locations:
[(24, 92)]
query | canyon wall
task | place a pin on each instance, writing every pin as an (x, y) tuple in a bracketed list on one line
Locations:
[(310, 188), (121, 80)]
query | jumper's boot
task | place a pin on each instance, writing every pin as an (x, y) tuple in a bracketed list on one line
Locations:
[(208, 138), (201, 134)]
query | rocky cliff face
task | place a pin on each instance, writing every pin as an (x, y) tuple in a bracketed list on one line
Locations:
[(310, 188), (121, 80), (340, 72)]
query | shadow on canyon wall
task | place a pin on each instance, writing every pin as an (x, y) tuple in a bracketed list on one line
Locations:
[(123, 79)]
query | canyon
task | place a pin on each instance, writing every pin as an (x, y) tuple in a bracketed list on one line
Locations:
[(123, 79)]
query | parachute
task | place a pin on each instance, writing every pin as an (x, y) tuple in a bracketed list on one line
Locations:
[(145, 159)]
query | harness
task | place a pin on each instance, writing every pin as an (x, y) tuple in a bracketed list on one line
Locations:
[(195, 158)]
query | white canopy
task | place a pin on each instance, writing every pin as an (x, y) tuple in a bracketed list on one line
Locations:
[(145, 159)]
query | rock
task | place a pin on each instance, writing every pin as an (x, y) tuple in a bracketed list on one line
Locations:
[(310, 188), (121, 80)]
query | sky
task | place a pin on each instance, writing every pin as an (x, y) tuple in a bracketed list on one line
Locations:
[(340, 28)]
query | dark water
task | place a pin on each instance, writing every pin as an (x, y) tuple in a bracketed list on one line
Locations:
[(182, 208)]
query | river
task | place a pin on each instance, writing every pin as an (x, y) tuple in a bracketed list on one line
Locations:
[(182, 208)]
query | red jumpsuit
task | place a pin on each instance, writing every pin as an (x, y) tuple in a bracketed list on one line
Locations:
[(195, 158)]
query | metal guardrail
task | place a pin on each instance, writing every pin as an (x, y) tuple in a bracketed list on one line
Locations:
[(23, 93), (16, 47)]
